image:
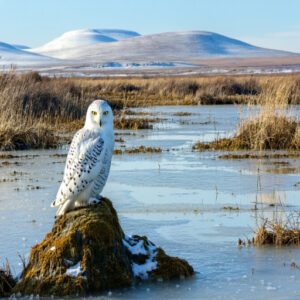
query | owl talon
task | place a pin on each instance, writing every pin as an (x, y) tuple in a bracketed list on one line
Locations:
[(94, 201)]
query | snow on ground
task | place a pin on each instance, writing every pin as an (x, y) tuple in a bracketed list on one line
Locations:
[(139, 247)]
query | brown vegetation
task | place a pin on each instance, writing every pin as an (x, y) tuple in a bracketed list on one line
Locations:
[(260, 133), (260, 156), (276, 134), (124, 122), (7, 282), (273, 127), (282, 230), (59, 104), (25, 137), (35, 109), (279, 234), (140, 149), (137, 92), (284, 170), (182, 114), (231, 208)]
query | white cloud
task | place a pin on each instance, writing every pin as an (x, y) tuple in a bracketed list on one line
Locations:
[(286, 40)]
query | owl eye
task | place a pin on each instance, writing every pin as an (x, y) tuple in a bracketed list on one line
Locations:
[(94, 113), (105, 113)]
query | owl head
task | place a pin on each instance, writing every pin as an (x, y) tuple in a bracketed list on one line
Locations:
[(99, 115)]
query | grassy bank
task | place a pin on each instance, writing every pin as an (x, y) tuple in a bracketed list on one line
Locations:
[(270, 126), (279, 231), (274, 133), (35, 110), (137, 92)]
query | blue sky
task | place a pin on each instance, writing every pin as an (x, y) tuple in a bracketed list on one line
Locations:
[(269, 23)]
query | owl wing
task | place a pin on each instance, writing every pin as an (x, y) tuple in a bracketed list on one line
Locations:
[(82, 167)]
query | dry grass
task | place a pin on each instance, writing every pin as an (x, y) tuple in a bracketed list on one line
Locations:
[(7, 281), (260, 133), (231, 208), (136, 113), (260, 156), (137, 150), (279, 233), (30, 101), (182, 114), (34, 109), (124, 122), (21, 138), (137, 92), (272, 127)]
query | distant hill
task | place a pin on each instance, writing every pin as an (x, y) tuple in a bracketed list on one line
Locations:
[(10, 54), (96, 50), (163, 47), (20, 46), (83, 37)]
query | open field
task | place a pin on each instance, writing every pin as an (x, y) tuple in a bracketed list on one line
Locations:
[(195, 67)]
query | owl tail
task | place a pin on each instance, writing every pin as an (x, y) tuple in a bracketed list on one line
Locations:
[(65, 207)]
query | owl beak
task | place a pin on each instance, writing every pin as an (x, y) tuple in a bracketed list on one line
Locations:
[(100, 123)]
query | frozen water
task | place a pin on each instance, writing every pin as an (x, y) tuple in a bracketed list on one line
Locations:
[(177, 199)]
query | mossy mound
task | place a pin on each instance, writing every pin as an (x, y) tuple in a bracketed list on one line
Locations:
[(87, 252)]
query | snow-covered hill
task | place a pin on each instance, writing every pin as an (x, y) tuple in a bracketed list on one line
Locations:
[(83, 37), (170, 47), (10, 54), (20, 46), (119, 46), (87, 50)]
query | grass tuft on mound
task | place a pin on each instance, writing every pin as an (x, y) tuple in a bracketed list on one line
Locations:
[(260, 133), (278, 234), (272, 127), (282, 230)]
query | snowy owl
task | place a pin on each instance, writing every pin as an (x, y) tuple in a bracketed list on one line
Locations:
[(88, 161)]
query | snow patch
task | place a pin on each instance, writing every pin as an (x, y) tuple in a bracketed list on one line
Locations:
[(137, 246), (75, 270)]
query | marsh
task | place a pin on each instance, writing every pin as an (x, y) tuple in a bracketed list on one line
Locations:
[(176, 196)]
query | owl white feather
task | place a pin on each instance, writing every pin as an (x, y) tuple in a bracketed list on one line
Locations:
[(88, 161)]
